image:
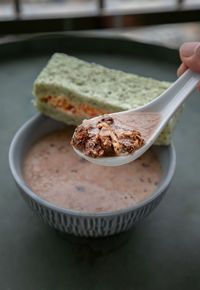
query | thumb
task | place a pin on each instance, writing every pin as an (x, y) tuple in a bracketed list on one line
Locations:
[(190, 55)]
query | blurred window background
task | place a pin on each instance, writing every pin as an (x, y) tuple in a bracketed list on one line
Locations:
[(45, 7), (145, 20), (9, 8)]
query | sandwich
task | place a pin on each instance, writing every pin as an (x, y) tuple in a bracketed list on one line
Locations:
[(70, 90)]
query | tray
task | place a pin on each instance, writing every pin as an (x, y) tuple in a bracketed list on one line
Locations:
[(160, 253)]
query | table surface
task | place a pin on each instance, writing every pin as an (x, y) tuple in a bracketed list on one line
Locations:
[(161, 252)]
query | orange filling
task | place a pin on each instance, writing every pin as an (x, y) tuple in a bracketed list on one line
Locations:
[(79, 110)]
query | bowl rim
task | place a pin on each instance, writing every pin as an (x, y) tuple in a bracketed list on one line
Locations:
[(65, 211)]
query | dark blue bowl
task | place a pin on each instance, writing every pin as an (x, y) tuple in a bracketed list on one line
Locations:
[(86, 224)]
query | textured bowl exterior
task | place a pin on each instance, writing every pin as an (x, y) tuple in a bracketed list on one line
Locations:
[(75, 222), (90, 226)]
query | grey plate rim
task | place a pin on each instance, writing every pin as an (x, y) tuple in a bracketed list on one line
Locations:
[(34, 43)]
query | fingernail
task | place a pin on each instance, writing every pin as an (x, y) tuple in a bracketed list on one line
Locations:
[(189, 49)]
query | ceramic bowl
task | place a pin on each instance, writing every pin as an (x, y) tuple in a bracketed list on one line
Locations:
[(75, 222)]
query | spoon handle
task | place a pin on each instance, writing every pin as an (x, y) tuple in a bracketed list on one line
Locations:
[(173, 97)]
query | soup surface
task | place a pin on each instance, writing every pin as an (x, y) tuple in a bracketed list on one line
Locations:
[(54, 172)]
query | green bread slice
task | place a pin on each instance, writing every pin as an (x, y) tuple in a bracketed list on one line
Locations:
[(97, 86)]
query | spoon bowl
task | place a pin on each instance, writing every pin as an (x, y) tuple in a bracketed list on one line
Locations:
[(166, 105)]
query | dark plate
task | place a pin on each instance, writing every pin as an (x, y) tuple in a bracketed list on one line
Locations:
[(162, 252)]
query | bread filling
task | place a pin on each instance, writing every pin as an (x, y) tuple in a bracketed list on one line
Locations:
[(78, 110)]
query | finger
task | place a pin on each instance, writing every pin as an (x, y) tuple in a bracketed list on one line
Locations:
[(190, 55), (182, 68)]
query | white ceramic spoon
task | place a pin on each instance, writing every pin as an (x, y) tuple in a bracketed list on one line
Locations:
[(166, 104)]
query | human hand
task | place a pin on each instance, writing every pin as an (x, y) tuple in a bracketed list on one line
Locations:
[(190, 57)]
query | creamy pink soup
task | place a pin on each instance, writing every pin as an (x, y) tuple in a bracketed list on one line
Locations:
[(54, 172)]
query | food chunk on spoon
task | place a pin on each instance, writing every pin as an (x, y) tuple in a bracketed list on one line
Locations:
[(106, 137), (114, 135)]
